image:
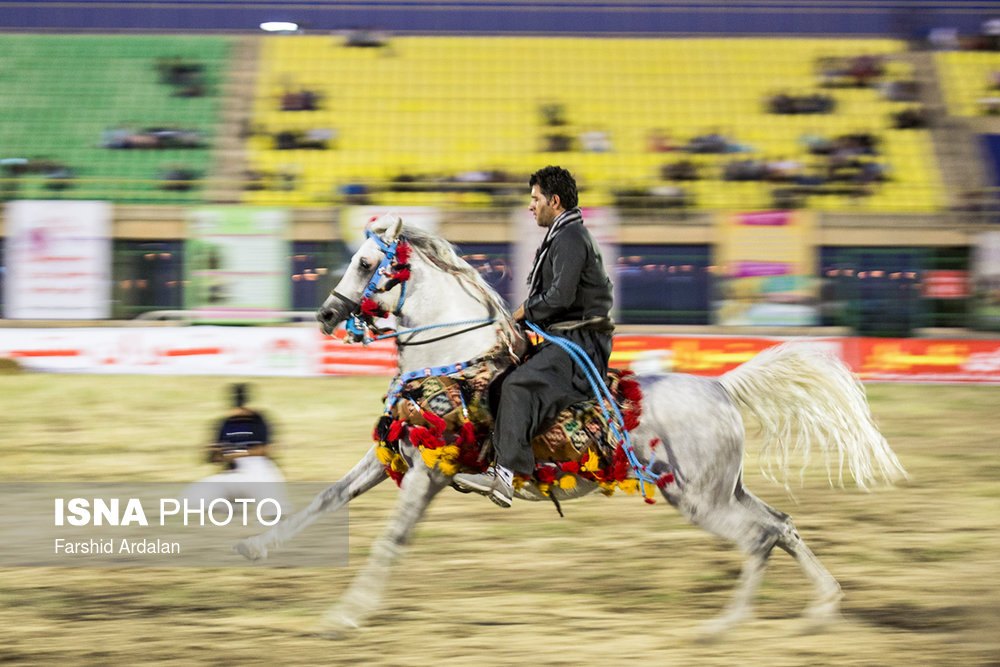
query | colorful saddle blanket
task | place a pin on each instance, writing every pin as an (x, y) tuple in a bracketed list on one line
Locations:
[(449, 419)]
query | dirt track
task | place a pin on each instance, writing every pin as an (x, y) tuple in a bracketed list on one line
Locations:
[(919, 564)]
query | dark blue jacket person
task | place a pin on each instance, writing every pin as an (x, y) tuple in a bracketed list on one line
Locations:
[(570, 296)]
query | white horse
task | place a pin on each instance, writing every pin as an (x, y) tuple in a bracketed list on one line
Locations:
[(802, 398)]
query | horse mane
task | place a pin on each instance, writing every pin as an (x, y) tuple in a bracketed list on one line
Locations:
[(441, 253)]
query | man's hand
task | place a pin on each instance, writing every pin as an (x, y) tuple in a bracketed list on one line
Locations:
[(519, 314)]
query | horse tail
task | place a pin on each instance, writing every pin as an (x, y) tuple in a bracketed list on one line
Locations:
[(805, 398)]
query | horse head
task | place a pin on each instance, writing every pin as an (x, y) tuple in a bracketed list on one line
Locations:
[(360, 286)]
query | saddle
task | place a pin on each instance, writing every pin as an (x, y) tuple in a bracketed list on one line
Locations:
[(448, 417)]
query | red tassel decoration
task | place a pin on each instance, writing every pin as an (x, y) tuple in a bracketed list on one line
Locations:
[(630, 390), (371, 309), (665, 478), (437, 424), (545, 474), (402, 275), (395, 430), (402, 252), (631, 420), (570, 466), (466, 434)]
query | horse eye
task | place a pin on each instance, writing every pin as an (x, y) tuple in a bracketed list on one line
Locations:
[(364, 264)]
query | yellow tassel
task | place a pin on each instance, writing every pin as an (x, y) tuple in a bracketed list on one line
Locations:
[(430, 456), (629, 486), (384, 455), (518, 483), (567, 482), (544, 489), (447, 467), (593, 463), (398, 464)]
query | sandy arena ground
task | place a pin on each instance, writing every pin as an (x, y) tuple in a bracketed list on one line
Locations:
[(615, 582)]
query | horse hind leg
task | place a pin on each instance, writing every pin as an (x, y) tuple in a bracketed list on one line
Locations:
[(737, 516), (826, 604)]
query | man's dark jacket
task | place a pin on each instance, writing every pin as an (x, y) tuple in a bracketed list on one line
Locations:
[(568, 287)]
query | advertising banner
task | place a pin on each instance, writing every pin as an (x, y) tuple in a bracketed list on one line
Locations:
[(986, 281), (58, 260), (767, 269), (304, 351), (208, 350), (237, 263), (924, 360)]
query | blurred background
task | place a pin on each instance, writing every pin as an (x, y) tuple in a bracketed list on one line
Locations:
[(812, 168)]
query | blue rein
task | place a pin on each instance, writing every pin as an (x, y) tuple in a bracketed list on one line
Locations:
[(601, 392)]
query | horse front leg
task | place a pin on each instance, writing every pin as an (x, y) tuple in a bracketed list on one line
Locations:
[(366, 474), (364, 595)]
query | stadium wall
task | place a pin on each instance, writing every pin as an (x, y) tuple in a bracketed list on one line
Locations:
[(905, 19)]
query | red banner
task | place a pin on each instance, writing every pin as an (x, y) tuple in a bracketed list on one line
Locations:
[(924, 360), (946, 284)]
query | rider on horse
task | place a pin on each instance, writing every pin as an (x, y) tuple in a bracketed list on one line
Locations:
[(570, 296)]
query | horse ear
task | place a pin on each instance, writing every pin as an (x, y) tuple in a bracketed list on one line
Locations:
[(393, 231)]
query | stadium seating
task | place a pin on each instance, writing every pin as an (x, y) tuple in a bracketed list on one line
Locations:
[(63, 95), (446, 107), (967, 80)]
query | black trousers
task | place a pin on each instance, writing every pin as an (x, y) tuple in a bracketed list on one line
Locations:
[(538, 390)]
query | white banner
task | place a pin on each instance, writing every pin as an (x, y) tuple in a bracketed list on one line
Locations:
[(209, 350), (58, 260)]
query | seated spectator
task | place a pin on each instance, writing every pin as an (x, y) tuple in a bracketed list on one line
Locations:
[(121, 137), (783, 170), (186, 77), (745, 170), (785, 103), (318, 138), (178, 178), (990, 34), (659, 142), (256, 180), (557, 142), (58, 176), (901, 91), (596, 141), (816, 144), (366, 38), (911, 118), (354, 193), (682, 170), (866, 69), (989, 106), (713, 142), (300, 100), (553, 114)]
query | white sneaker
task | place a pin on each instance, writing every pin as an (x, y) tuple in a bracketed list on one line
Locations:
[(492, 483)]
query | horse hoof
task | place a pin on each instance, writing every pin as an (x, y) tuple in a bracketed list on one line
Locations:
[(820, 618), (335, 626), (250, 549), (715, 629)]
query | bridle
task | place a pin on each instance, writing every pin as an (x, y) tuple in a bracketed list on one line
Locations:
[(393, 270)]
